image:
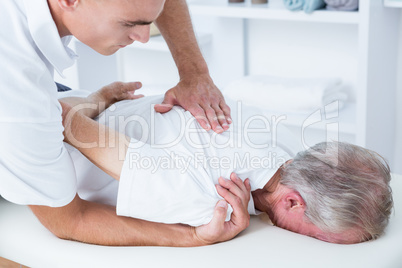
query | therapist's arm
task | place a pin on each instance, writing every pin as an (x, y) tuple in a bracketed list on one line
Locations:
[(196, 92), (95, 223)]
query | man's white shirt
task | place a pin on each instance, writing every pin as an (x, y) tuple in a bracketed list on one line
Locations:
[(35, 167)]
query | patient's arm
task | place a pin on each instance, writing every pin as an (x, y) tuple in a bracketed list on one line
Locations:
[(100, 100), (94, 223), (104, 147)]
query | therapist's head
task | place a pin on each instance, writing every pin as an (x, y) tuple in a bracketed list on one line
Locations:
[(106, 25), (336, 192)]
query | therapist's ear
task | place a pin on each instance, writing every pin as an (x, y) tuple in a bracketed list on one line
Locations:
[(68, 5)]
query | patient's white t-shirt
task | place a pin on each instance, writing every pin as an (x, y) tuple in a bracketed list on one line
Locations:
[(172, 164)]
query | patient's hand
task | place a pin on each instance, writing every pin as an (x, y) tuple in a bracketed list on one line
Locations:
[(115, 92), (199, 95), (237, 194)]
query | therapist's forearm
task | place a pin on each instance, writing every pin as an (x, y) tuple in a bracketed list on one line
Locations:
[(175, 25), (95, 223)]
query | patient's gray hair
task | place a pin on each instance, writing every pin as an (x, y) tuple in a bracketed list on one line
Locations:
[(344, 186)]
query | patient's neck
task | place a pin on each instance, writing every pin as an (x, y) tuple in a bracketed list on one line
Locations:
[(265, 198)]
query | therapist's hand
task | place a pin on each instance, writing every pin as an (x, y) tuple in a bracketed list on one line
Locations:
[(237, 194), (199, 95)]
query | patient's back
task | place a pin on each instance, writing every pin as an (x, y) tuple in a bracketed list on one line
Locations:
[(174, 164)]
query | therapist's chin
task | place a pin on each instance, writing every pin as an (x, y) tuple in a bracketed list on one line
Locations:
[(108, 51)]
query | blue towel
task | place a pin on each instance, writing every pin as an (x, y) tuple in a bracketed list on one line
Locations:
[(307, 5), (294, 5)]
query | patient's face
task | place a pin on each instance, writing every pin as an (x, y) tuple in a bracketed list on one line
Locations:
[(108, 25), (306, 228), (296, 221)]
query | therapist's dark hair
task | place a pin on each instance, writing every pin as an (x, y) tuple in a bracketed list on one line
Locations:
[(344, 186)]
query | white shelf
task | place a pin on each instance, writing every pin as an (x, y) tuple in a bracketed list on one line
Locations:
[(274, 10), (157, 43)]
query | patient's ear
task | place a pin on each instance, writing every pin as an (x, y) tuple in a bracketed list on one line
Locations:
[(294, 202)]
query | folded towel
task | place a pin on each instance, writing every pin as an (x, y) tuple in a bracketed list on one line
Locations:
[(294, 5), (307, 5), (312, 5), (290, 95), (342, 5)]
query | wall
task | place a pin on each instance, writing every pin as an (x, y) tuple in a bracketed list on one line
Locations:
[(309, 49), (305, 49), (397, 165)]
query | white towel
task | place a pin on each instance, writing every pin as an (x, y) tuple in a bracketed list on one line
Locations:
[(291, 95)]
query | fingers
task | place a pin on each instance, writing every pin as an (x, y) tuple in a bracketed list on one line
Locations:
[(163, 108), (134, 97), (219, 217), (217, 229), (237, 194), (200, 116), (211, 117), (133, 85), (167, 104), (127, 91), (235, 187), (226, 111), (118, 91), (199, 95), (212, 114)]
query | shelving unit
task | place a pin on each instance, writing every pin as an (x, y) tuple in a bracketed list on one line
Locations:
[(371, 119), (272, 11)]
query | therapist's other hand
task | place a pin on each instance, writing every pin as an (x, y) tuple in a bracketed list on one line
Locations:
[(115, 92), (237, 194), (199, 95)]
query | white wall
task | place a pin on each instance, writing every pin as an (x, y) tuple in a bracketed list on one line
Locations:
[(303, 49), (397, 165), (291, 49)]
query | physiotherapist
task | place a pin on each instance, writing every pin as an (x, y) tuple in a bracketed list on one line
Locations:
[(35, 167)]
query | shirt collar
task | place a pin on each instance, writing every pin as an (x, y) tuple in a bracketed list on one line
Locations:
[(46, 36)]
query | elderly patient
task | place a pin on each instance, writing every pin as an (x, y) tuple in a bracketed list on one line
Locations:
[(166, 168)]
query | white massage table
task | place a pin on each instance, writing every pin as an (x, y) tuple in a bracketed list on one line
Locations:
[(24, 240)]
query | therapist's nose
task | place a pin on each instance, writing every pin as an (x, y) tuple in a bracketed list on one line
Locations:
[(140, 33)]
